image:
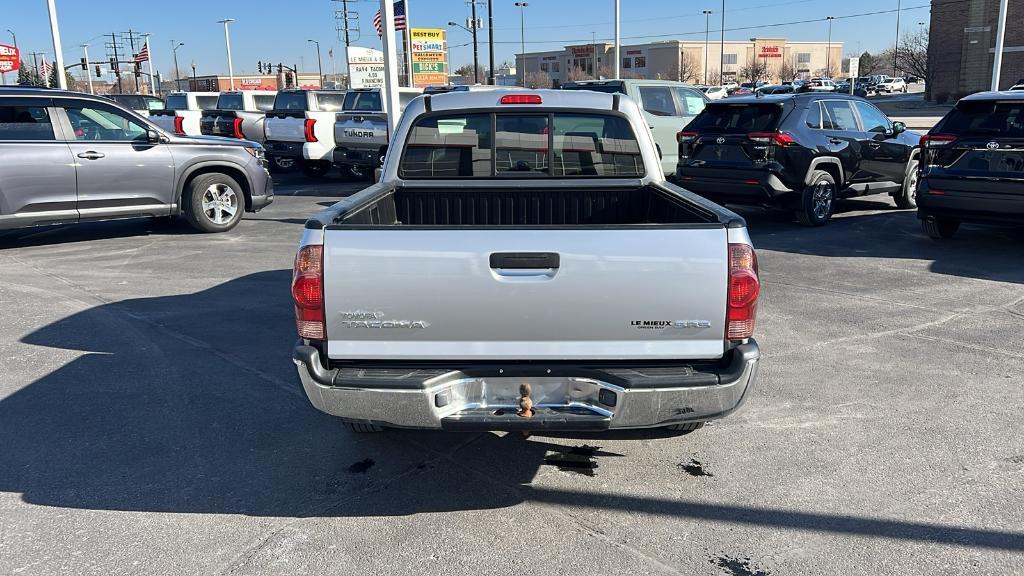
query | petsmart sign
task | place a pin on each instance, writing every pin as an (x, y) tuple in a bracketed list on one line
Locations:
[(429, 56)]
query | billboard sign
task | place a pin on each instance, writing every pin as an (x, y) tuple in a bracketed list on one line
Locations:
[(365, 67), (10, 60), (429, 56)]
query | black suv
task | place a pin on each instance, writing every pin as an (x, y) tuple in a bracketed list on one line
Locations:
[(972, 165), (799, 151)]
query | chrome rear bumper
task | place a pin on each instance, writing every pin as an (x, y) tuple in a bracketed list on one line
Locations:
[(467, 400)]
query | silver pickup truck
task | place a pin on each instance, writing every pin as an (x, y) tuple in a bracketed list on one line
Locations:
[(239, 115), (523, 265), (361, 130)]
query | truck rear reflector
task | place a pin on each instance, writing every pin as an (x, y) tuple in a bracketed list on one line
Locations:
[(308, 292), (744, 289), (521, 99)]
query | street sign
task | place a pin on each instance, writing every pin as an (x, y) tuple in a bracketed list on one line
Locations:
[(854, 67), (429, 56), (10, 60), (365, 67)]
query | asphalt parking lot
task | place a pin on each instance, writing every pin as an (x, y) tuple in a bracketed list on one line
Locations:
[(151, 422)]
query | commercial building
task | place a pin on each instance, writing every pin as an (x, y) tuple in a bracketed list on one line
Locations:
[(251, 82), (962, 47), (769, 59)]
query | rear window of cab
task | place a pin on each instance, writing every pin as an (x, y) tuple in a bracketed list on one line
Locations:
[(521, 145)]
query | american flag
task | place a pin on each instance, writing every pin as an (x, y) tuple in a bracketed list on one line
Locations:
[(46, 68), (399, 19), (143, 55)]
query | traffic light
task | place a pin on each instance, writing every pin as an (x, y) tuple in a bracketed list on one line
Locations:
[(98, 73), (85, 64), (113, 65), (259, 66)]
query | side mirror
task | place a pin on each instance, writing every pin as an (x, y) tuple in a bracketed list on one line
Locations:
[(898, 128), (152, 136)]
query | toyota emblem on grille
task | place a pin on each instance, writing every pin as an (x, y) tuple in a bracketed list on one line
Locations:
[(992, 145), (721, 140)]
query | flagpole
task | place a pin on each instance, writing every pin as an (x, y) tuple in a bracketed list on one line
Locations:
[(149, 58), (408, 44)]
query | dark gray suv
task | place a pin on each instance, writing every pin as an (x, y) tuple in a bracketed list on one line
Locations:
[(68, 157)]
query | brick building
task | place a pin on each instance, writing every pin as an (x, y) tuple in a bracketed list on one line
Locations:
[(250, 82), (962, 47)]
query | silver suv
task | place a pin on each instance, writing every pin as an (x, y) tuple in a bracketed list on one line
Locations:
[(68, 157)]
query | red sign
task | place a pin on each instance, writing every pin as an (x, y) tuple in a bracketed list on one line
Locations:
[(770, 52), (9, 59)]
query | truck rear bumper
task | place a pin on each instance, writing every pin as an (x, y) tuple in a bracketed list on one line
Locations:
[(564, 398)]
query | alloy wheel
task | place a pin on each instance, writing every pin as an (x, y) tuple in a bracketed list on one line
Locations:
[(220, 203), (821, 200)]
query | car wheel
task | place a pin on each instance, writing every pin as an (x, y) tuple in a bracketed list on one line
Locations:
[(939, 228), (906, 198), (316, 168), (818, 199), (215, 203), (362, 427), (282, 164), (686, 428)]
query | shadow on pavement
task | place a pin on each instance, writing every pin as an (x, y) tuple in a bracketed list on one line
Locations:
[(189, 404)]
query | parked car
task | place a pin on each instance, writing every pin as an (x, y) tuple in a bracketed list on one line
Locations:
[(519, 216), (141, 104), (800, 152), (972, 165), (890, 85), (741, 91), (239, 114), (361, 129), (911, 79), (818, 85), (714, 92), (730, 85), (667, 105), (775, 89), (858, 90), (1019, 85), (300, 130), (71, 157), (183, 110)]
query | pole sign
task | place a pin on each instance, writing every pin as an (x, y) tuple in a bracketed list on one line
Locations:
[(854, 67), (365, 67), (429, 57), (10, 60)]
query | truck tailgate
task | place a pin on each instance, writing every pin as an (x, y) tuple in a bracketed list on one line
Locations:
[(361, 131), (584, 293), (287, 129)]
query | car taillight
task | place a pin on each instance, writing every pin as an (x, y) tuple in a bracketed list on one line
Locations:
[(238, 129), (744, 288), (310, 135), (308, 293), (179, 125), (682, 136), (936, 140), (777, 138)]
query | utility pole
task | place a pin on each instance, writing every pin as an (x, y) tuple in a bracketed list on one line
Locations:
[(35, 65), (618, 43), (593, 46), (88, 76), (721, 56), (828, 51), (707, 32), (58, 52), (997, 62), (490, 40), (348, 41), (896, 47), (131, 43), (476, 60)]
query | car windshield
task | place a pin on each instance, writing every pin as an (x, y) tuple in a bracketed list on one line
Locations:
[(230, 102), (521, 145), (607, 88), (986, 118), (290, 101), (177, 102), (363, 102), (737, 118)]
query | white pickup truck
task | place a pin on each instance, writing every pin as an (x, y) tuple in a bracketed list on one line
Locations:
[(182, 112), (361, 130), (524, 265), (239, 114), (300, 130)]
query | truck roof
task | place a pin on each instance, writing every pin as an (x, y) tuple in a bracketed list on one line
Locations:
[(581, 99)]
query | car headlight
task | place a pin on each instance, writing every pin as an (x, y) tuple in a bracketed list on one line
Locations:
[(257, 153)]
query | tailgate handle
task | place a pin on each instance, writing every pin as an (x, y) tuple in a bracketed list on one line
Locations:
[(525, 260)]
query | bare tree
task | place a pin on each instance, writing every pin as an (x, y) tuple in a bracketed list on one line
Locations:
[(754, 70), (714, 77), (688, 69), (538, 80), (575, 73), (787, 70), (913, 55)]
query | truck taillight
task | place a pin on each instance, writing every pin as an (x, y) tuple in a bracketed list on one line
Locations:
[(744, 288), (238, 129), (179, 125), (308, 292), (310, 135)]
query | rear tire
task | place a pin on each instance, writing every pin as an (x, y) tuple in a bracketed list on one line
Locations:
[(215, 203), (818, 200), (363, 427), (686, 428), (316, 168), (939, 228), (906, 198)]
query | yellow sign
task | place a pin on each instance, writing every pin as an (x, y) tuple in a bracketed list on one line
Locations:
[(429, 34), (429, 56)]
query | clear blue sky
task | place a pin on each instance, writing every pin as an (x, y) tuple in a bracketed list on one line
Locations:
[(278, 30)]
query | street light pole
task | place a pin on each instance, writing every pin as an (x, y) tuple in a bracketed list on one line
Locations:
[(88, 75), (195, 79), (896, 48), (319, 62), (13, 37), (522, 38), (152, 77), (721, 57), (707, 32), (828, 51), (618, 43), (177, 72), (58, 52), (476, 65), (997, 62), (227, 43), (490, 40)]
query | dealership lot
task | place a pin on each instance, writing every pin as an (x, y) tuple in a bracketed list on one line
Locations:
[(152, 423)]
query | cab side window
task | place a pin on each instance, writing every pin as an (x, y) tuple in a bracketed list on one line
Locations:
[(25, 123), (658, 100)]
